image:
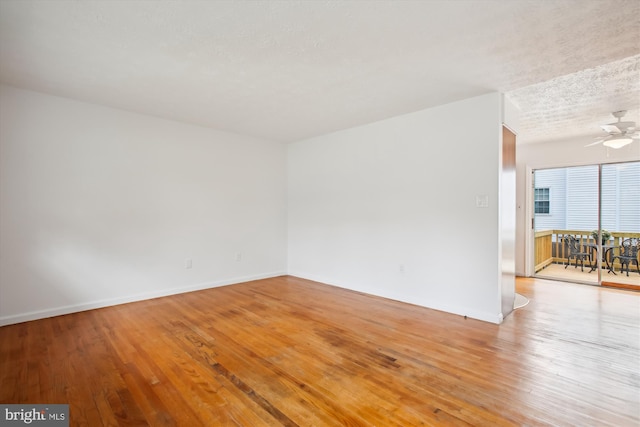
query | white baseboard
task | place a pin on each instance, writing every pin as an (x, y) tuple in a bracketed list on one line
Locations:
[(91, 305), (458, 310)]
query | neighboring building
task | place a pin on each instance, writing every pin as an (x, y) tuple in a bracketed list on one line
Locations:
[(567, 198)]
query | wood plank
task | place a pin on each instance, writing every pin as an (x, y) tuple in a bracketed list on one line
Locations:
[(292, 352), (573, 274)]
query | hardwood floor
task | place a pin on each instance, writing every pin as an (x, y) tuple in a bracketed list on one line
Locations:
[(573, 274), (291, 352)]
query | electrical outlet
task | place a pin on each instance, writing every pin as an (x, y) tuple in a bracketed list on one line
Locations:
[(238, 256), (188, 263)]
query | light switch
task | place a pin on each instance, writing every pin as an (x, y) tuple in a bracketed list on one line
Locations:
[(482, 201)]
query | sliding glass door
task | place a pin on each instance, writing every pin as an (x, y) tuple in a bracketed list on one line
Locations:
[(565, 214), (571, 205), (621, 220)]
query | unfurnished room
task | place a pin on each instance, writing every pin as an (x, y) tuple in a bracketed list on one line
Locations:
[(320, 213)]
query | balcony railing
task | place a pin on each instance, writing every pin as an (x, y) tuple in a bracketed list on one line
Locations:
[(550, 248)]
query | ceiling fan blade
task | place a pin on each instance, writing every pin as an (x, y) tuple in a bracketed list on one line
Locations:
[(610, 128), (595, 143)]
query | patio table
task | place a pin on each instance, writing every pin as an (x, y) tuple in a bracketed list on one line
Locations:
[(605, 251)]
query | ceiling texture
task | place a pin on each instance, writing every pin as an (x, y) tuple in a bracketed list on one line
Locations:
[(290, 70)]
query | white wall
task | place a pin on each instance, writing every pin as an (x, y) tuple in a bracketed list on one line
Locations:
[(100, 206), (549, 155), (390, 208)]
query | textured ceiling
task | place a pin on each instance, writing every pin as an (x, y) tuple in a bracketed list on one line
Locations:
[(288, 70), (576, 104)]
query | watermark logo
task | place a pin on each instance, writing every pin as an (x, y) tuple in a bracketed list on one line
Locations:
[(37, 415)]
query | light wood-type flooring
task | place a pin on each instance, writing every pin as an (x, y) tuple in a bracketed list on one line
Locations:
[(291, 352), (575, 274)]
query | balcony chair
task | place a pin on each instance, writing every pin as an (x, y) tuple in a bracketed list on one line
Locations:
[(575, 250), (628, 254)]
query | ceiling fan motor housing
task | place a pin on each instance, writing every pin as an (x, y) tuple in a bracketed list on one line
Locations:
[(619, 114)]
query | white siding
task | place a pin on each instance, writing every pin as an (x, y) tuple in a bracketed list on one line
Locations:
[(628, 194), (574, 197), (555, 181), (610, 196), (582, 198)]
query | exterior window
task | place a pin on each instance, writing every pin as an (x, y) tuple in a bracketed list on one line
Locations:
[(541, 200)]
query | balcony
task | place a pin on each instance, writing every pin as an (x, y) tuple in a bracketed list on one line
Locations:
[(551, 255)]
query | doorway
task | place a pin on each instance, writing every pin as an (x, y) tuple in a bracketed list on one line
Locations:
[(582, 218)]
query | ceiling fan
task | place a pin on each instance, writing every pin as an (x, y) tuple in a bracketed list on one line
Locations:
[(620, 133)]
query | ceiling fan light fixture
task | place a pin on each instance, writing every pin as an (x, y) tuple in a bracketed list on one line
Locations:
[(617, 141)]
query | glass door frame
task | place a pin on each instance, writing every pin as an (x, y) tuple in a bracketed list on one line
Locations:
[(530, 267)]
